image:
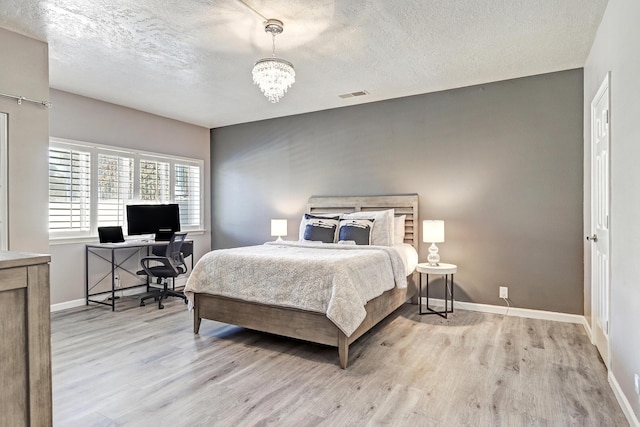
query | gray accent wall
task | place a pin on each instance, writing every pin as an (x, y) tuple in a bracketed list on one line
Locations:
[(500, 163), (615, 50)]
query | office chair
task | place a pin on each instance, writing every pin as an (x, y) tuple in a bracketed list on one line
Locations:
[(162, 267)]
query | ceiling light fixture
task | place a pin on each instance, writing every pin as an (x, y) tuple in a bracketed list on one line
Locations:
[(273, 75)]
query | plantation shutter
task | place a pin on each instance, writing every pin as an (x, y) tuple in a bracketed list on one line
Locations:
[(187, 194), (115, 188), (154, 181), (69, 189)]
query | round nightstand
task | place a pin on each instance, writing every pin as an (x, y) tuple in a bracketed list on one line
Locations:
[(446, 270)]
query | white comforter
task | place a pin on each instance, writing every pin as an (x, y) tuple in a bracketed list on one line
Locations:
[(326, 278)]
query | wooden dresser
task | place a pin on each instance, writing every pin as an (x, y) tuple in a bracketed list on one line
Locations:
[(25, 340)]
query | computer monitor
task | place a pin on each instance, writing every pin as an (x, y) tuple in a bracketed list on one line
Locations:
[(149, 219)]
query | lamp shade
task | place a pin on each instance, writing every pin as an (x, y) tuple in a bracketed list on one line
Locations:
[(278, 227), (433, 231)]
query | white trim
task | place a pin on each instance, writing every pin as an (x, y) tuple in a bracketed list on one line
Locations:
[(67, 304), (627, 409), (587, 328), (81, 302), (74, 240), (512, 311), (4, 188), (180, 282)]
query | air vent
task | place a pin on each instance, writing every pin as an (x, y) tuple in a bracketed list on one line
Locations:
[(352, 94)]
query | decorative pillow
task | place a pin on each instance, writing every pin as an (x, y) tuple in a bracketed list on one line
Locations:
[(358, 230), (382, 233), (317, 220), (321, 230), (398, 229)]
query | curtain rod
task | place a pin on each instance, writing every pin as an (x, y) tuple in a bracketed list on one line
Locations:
[(22, 98)]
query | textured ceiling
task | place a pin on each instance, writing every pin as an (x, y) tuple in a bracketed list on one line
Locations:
[(191, 60)]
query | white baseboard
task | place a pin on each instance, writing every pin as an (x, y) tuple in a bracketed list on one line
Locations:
[(512, 311), (180, 281), (627, 409), (81, 302), (587, 328), (67, 304)]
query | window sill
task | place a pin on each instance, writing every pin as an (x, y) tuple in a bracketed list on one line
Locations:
[(54, 241)]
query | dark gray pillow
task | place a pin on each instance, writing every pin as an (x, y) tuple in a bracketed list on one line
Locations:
[(320, 231), (357, 230), (313, 219)]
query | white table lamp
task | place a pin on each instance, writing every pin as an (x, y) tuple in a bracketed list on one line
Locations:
[(279, 228), (433, 232)]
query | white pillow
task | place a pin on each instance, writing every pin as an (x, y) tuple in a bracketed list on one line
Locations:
[(382, 233), (398, 229)]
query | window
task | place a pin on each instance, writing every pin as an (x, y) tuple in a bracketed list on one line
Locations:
[(90, 186)]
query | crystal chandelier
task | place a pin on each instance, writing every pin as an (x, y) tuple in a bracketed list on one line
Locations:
[(273, 75)]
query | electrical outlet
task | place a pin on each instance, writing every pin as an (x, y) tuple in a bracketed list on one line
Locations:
[(504, 292), (636, 380)]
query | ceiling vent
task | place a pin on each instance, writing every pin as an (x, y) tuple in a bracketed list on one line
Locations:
[(352, 94)]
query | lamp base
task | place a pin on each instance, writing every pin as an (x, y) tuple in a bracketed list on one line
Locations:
[(279, 239), (433, 258)]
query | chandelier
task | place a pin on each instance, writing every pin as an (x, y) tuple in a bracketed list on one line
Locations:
[(273, 75)]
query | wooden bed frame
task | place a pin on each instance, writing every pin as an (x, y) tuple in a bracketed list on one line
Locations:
[(310, 326)]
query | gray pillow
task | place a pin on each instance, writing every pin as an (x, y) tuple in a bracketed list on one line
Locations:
[(357, 230), (320, 231)]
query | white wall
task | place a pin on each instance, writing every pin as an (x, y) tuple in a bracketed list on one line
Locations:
[(25, 72), (615, 49), (84, 119)]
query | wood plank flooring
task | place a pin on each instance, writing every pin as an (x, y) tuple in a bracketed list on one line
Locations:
[(141, 366)]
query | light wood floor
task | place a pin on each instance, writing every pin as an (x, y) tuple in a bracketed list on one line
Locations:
[(141, 366)]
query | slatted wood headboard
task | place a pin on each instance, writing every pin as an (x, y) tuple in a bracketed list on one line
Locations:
[(404, 204)]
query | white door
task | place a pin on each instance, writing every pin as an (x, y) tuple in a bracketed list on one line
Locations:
[(600, 283)]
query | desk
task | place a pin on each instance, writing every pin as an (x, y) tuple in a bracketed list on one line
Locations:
[(96, 251)]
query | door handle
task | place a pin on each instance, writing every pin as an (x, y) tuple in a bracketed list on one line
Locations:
[(593, 238)]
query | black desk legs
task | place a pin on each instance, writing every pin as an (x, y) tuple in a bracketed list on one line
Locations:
[(114, 267), (448, 296), (86, 275), (113, 280), (100, 253)]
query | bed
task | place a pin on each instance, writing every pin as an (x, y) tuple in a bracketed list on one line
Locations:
[(310, 325)]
